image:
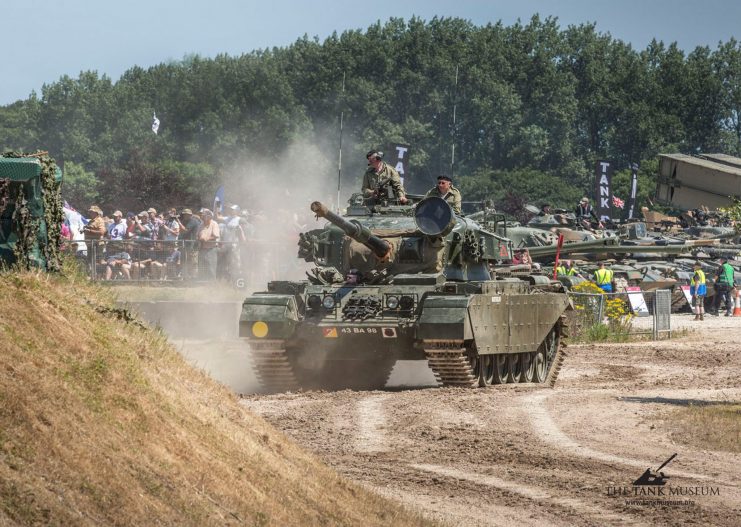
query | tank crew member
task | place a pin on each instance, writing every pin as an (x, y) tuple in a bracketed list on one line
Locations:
[(445, 189), (724, 283), (698, 289), (352, 277), (603, 278), (585, 212), (379, 176)]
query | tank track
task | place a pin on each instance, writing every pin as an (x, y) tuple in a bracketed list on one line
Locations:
[(449, 363), (563, 329), (271, 363)]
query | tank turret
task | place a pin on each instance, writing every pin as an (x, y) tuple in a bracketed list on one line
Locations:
[(356, 231)]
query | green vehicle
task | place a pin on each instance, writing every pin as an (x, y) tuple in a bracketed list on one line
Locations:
[(396, 282), (30, 211)]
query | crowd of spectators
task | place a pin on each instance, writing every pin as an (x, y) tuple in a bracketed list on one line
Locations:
[(204, 245), (153, 245)]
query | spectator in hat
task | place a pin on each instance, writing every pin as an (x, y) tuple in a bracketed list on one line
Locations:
[(117, 229), (156, 223), (95, 229), (444, 189), (142, 226), (188, 224), (171, 226)]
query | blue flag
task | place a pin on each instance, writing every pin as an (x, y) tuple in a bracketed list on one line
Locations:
[(219, 200)]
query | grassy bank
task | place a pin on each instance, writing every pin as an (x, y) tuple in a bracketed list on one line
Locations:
[(103, 423)]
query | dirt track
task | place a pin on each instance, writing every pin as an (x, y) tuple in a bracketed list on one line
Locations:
[(533, 456)]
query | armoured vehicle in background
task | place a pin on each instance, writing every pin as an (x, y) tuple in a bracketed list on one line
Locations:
[(395, 282), (30, 211)]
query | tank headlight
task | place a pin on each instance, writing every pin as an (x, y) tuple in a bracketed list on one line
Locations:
[(392, 302), (314, 302), (406, 302), (328, 302)]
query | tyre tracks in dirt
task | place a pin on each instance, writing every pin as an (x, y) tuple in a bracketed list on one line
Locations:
[(519, 455)]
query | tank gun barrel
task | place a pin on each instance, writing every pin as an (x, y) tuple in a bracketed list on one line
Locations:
[(360, 233), (613, 245)]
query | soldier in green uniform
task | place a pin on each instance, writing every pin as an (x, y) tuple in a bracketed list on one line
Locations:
[(445, 189), (379, 177)]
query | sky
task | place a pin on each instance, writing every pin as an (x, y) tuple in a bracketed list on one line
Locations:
[(41, 40)]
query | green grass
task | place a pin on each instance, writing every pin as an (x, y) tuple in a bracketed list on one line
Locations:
[(714, 426)]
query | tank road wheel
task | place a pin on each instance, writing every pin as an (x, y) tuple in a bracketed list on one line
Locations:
[(514, 367), (539, 366), (528, 367), (476, 363), (486, 378), (501, 373)]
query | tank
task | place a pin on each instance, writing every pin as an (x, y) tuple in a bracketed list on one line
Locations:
[(405, 283)]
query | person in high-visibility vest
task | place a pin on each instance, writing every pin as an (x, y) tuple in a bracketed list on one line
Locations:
[(603, 278), (571, 269), (698, 290), (567, 268)]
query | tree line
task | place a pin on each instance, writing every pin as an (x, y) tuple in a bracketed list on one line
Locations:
[(536, 105)]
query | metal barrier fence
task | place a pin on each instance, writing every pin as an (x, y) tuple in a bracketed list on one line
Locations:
[(639, 312), (146, 261)]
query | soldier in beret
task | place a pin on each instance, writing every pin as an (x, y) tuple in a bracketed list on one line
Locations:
[(445, 189)]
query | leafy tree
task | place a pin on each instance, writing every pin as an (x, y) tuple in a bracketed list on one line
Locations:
[(527, 109), (80, 188)]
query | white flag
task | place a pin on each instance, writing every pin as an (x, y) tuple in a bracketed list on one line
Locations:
[(155, 123)]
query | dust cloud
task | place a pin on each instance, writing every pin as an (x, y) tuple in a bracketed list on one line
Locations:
[(274, 195)]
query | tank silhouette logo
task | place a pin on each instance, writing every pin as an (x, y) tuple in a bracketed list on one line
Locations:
[(330, 333), (654, 478)]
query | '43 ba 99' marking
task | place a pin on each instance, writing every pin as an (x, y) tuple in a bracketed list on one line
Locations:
[(360, 330)]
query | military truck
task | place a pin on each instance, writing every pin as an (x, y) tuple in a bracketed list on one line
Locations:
[(30, 211), (395, 282)]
